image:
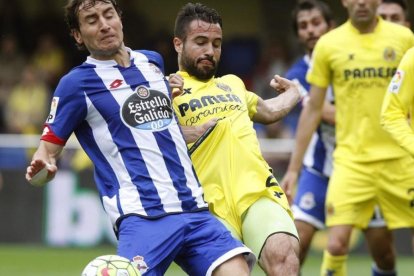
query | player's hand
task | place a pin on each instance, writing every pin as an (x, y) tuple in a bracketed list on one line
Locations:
[(282, 85), (40, 172), (288, 184), (192, 133), (177, 84)]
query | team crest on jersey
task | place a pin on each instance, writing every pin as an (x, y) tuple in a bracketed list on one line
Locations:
[(223, 86), (142, 92), (389, 54), (396, 82), (147, 109), (53, 109)]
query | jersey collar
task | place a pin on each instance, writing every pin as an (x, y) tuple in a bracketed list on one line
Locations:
[(110, 62), (187, 76)]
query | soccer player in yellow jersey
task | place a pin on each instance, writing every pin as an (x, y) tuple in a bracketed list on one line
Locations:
[(398, 105), (358, 59), (238, 183)]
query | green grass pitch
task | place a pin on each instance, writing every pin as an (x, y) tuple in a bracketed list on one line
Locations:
[(34, 260)]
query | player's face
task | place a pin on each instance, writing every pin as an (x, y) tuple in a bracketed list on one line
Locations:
[(311, 26), (100, 29), (199, 54), (362, 12), (392, 12)]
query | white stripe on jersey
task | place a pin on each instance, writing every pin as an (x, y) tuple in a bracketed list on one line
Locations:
[(147, 144), (100, 131)]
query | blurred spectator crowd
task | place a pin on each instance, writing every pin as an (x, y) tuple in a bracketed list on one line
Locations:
[(32, 60)]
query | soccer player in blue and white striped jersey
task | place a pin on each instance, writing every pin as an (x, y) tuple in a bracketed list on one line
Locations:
[(118, 104)]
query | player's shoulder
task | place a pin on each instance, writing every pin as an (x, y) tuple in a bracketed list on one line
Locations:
[(395, 28), (333, 36), (410, 52), (76, 75), (298, 69), (151, 55), (409, 55), (230, 80)]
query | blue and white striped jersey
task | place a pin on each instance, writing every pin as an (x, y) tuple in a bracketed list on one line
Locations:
[(318, 155), (123, 119)]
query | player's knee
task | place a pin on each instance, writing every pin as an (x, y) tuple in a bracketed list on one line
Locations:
[(280, 253), (337, 246)]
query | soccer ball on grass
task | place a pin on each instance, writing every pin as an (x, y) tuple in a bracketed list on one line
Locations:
[(110, 265)]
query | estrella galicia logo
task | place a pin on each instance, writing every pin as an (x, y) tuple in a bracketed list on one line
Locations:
[(147, 109)]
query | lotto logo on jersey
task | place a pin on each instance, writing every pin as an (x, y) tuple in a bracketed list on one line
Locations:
[(53, 109), (147, 109), (396, 82)]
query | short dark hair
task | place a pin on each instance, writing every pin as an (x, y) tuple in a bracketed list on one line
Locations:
[(190, 12), (304, 5), (402, 3), (72, 12)]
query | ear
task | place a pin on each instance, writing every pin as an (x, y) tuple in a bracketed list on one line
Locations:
[(77, 36), (178, 45)]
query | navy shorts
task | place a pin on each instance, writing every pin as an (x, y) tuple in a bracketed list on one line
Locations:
[(197, 242), (309, 203)]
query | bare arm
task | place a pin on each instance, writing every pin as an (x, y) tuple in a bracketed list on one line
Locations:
[(308, 122), (44, 159), (274, 109), (192, 133)]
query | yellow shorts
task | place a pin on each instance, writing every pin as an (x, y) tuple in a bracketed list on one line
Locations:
[(355, 188), (264, 218)]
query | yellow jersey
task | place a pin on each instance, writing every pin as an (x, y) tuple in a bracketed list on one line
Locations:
[(227, 159), (399, 103), (360, 67)]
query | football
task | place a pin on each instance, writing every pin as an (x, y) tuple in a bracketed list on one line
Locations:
[(110, 265)]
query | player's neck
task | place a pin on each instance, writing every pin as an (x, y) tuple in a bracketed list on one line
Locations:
[(365, 27)]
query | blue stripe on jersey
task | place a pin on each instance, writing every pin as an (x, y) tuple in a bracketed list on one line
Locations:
[(132, 156), (131, 76), (175, 169), (85, 137)]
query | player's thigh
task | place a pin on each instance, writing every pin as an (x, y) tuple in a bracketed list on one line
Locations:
[(153, 244), (230, 228), (351, 194), (309, 203), (263, 219), (396, 193), (208, 244)]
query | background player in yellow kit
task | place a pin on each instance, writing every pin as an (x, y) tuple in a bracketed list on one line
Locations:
[(311, 19), (238, 183), (369, 167)]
